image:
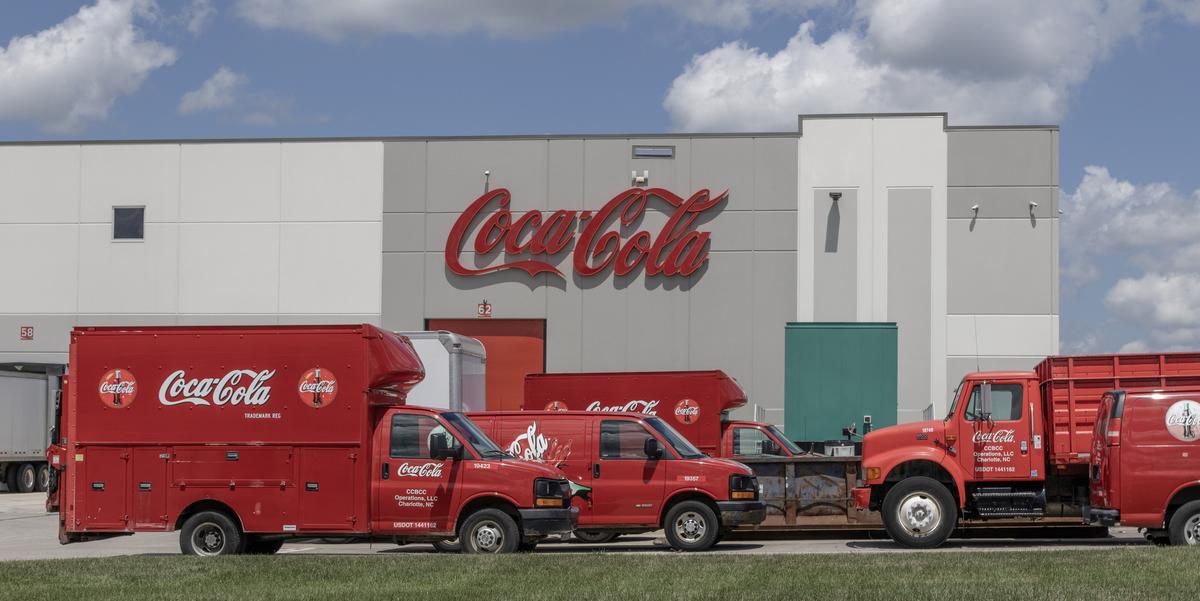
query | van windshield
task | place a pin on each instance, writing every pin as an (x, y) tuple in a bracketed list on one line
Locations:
[(681, 445), (475, 437)]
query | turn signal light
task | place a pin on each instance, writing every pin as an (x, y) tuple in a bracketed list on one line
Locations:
[(554, 502), (951, 438), (872, 473), (742, 494)]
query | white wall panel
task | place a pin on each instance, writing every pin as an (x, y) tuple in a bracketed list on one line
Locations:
[(39, 184), (332, 181), (229, 268), (1001, 335), (40, 268), (130, 175), (128, 277), (230, 182), (330, 268)]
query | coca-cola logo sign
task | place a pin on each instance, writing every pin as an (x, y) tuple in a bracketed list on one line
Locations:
[(676, 249), (638, 406), (993, 437), (318, 387), (687, 411), (556, 406), (118, 388), (431, 469), (1183, 420), (236, 387)]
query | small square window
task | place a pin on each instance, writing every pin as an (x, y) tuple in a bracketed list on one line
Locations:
[(129, 223)]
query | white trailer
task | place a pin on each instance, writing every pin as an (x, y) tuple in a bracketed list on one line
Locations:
[(455, 367), (27, 405)]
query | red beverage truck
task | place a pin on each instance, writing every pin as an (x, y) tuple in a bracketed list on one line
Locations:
[(1013, 445), (642, 474), (241, 437), (697, 403), (1143, 472)]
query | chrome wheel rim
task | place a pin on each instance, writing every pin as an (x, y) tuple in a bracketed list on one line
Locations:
[(690, 527), (488, 536), (44, 478), (208, 539), (1191, 530), (919, 514), (27, 479)]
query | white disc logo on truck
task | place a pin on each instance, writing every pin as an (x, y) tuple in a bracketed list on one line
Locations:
[(118, 388), (1183, 420), (687, 411), (238, 387), (318, 387), (646, 407)]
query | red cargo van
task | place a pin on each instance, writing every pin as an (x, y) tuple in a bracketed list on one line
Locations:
[(643, 475), (1143, 472), (240, 437), (697, 403)]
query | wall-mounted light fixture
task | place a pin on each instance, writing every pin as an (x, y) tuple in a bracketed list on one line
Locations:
[(835, 196), (1032, 205), (640, 179), (975, 208)]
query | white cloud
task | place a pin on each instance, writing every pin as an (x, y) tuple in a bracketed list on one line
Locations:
[(912, 55), (197, 16), (217, 92), (73, 72), (1158, 300), (504, 18), (1134, 346), (1188, 9)]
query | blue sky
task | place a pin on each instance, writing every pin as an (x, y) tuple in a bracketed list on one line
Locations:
[(1121, 77)]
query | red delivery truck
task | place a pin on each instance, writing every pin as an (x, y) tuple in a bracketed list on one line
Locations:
[(642, 474), (1143, 472), (1014, 445), (240, 437), (697, 403)]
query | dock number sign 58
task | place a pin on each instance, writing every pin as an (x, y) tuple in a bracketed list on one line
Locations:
[(26, 333)]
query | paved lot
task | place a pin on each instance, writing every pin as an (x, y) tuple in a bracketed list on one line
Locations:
[(27, 532)]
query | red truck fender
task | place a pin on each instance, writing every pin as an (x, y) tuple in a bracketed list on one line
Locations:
[(890, 461), (1181, 490)]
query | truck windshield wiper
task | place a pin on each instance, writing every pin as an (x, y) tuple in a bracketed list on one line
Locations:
[(493, 453)]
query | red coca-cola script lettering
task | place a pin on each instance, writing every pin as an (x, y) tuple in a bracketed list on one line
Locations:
[(677, 249)]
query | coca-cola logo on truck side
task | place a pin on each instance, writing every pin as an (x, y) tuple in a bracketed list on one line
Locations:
[(118, 388), (687, 411), (237, 387), (431, 469), (318, 387), (636, 406), (993, 437), (1183, 420)]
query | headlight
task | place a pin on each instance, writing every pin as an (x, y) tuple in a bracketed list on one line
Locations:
[(743, 487), (551, 493)]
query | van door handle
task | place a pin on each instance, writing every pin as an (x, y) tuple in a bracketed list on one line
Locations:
[(386, 469), (595, 470)]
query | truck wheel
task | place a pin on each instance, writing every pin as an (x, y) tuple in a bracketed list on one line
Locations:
[(919, 513), (9, 473), (43, 478), (595, 537), (447, 546), (26, 478), (210, 533), (1184, 528), (489, 531), (527, 547), (260, 546), (691, 526)]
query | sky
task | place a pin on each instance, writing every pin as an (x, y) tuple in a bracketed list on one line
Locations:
[(1121, 78)]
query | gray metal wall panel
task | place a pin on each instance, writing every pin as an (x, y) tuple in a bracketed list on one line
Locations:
[(1001, 157), (999, 266), (456, 173), (673, 174), (404, 291), (835, 282), (774, 294), (775, 177), (404, 175), (565, 174), (721, 306), (606, 170), (403, 232), (909, 271), (957, 367), (775, 230), (721, 165), (1001, 203)]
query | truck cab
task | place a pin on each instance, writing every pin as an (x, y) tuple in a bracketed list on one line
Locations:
[(755, 439)]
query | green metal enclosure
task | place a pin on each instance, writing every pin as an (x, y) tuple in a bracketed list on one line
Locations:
[(835, 373)]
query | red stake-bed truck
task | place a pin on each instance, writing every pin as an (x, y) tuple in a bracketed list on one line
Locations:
[(1143, 471), (240, 437), (697, 403), (1013, 445)]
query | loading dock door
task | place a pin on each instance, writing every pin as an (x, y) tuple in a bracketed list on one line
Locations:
[(515, 348)]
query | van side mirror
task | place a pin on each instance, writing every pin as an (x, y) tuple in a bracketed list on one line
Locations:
[(652, 449), (985, 402), (441, 448)]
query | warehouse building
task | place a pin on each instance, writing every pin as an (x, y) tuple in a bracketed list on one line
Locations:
[(858, 265)]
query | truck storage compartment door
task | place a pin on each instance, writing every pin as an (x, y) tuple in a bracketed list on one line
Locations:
[(149, 488), (103, 489), (327, 491)]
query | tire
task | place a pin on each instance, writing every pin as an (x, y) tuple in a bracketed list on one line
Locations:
[(919, 513), (489, 531), (52, 486), (210, 533), (10, 477), (691, 526), (595, 537), (26, 478), (259, 546), (447, 546), (526, 547), (1184, 528), (43, 478)]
